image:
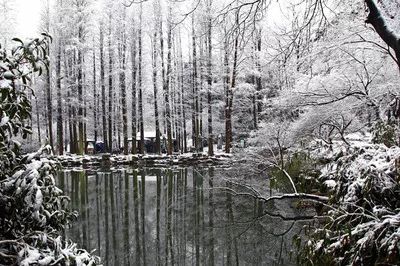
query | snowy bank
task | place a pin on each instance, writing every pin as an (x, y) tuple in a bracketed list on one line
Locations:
[(187, 159)]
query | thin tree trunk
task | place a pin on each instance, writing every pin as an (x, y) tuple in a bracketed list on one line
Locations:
[(209, 81), (49, 108), (166, 85), (103, 88), (134, 93), (80, 94), (183, 107), (110, 88), (60, 132), (38, 121), (200, 94), (163, 69), (157, 122), (123, 87), (258, 79), (48, 88), (141, 122), (195, 91), (228, 117), (94, 96)]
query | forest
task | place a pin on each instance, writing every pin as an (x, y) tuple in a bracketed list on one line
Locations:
[(200, 132)]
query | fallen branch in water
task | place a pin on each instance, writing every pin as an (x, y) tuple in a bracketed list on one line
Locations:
[(303, 196)]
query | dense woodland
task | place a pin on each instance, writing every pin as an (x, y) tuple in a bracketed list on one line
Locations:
[(160, 66), (303, 90), (190, 71)]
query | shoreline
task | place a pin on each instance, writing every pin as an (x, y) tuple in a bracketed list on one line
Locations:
[(108, 160)]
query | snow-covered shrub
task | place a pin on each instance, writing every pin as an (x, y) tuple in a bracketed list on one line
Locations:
[(363, 227), (16, 69), (385, 133), (33, 211)]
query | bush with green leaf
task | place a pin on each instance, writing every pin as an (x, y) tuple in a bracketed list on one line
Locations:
[(362, 226), (385, 133), (33, 211)]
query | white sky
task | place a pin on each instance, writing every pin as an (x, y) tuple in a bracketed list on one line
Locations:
[(28, 17)]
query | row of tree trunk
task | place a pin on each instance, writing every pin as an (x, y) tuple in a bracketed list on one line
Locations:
[(110, 111)]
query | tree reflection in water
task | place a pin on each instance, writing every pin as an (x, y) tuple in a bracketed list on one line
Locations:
[(176, 216)]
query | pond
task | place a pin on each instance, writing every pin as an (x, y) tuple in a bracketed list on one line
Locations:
[(180, 216)]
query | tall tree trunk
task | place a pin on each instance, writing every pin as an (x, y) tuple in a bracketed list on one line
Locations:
[(38, 121), (95, 96), (163, 69), (227, 97), (201, 89), (134, 92), (80, 94), (229, 133), (258, 79), (110, 87), (49, 108), (154, 58), (195, 115), (68, 72), (60, 132), (103, 88), (232, 86), (182, 100), (141, 122), (166, 85), (209, 81), (48, 87), (123, 86)]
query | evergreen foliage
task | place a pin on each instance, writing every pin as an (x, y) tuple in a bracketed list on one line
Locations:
[(33, 211)]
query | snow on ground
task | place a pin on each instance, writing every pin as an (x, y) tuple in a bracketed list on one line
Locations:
[(151, 159)]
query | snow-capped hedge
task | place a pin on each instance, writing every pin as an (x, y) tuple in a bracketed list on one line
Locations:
[(363, 227), (33, 213)]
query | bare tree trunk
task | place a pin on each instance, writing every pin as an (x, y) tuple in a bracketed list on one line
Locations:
[(178, 97), (258, 79), (163, 68), (60, 132), (141, 122), (94, 96), (154, 57), (49, 109), (84, 115), (80, 94), (229, 133), (110, 88), (134, 93), (182, 99), (195, 90), (229, 93), (38, 121), (68, 63), (201, 89), (48, 87), (123, 86), (209, 81), (103, 88), (166, 85)]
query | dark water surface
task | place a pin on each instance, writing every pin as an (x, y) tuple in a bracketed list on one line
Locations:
[(177, 216)]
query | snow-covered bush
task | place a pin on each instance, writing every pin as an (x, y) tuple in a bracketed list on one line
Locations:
[(33, 211), (363, 227), (385, 133)]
